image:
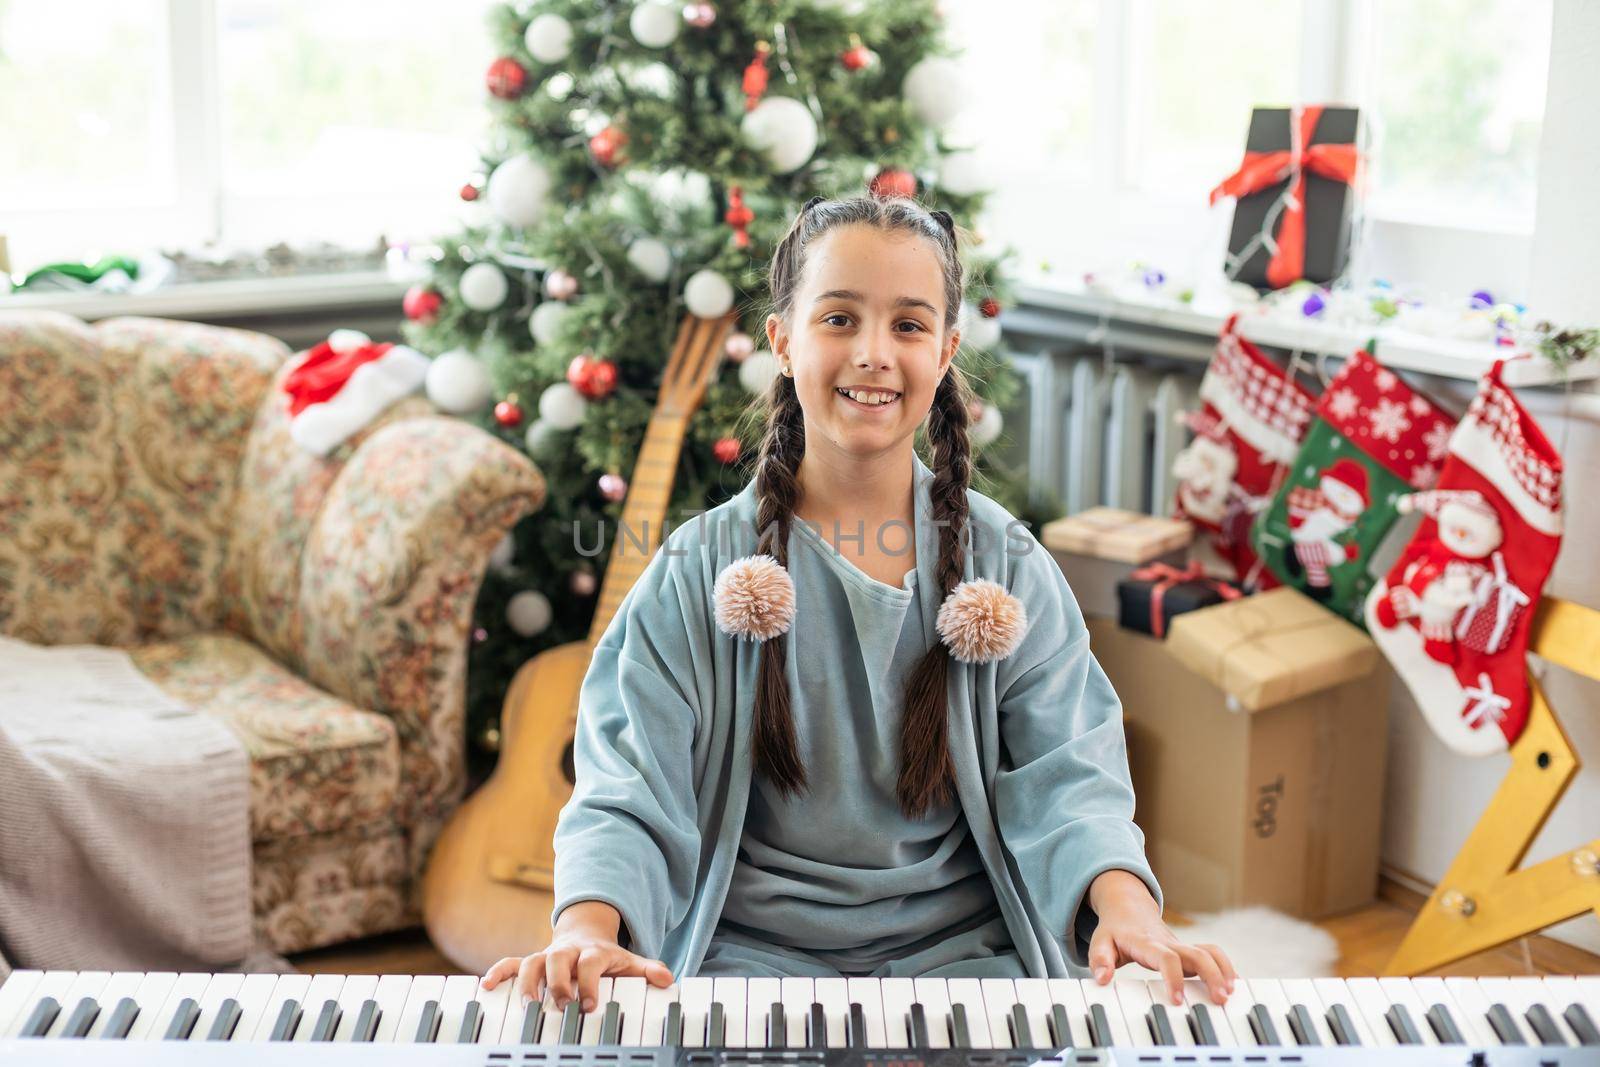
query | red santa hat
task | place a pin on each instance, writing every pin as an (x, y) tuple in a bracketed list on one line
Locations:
[(1352, 475), (345, 382)]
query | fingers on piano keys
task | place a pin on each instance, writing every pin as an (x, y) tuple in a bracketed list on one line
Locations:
[(799, 1013)]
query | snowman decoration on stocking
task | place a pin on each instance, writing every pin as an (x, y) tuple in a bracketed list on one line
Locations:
[(1318, 517), (1442, 579)]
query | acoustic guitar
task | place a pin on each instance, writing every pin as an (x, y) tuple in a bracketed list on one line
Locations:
[(489, 886)]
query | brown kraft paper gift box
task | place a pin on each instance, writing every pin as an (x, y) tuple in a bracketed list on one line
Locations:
[(1278, 804)]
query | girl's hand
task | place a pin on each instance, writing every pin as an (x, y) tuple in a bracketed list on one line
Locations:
[(1130, 930), (583, 950)]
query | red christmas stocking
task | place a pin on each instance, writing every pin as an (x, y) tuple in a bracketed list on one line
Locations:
[(1453, 613), (1247, 431)]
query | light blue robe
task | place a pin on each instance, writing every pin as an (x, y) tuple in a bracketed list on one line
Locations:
[(664, 774)]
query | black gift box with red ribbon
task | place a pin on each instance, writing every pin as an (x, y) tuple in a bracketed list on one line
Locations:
[(1148, 598)]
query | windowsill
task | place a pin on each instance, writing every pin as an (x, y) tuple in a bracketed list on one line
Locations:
[(223, 299)]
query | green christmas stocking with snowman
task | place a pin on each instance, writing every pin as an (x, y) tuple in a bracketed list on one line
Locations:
[(1373, 440)]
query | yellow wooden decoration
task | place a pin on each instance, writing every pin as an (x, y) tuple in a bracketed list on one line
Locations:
[(1484, 899)]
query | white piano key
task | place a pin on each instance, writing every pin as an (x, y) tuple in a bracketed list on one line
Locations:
[(656, 1001), (589, 1030), (833, 995), (1476, 1006), (629, 994), (1068, 992), (1269, 993), (1106, 996), (969, 991), (733, 994), (797, 997), (1304, 991), (356, 991), (898, 996), (1237, 1012), (323, 988), (191, 985), (1475, 1029), (85, 984), (1195, 993), (1400, 991), (868, 993), (550, 1025), (222, 987), (1336, 991), (122, 984), (395, 989), (289, 987), (1563, 991), (16, 996), (695, 996), (1373, 1003), (1521, 992), (761, 994), (1133, 998), (1034, 996), (1499, 991), (54, 984), (1177, 1014), (999, 997), (934, 996), (511, 1025)]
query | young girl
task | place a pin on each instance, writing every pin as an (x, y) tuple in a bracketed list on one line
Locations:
[(848, 722)]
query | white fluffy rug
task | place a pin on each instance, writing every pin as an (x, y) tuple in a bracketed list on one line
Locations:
[(1261, 943)]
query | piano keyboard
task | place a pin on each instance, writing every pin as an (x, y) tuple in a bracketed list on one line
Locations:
[(934, 1016)]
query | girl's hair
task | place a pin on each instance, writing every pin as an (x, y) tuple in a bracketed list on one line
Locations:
[(927, 775)]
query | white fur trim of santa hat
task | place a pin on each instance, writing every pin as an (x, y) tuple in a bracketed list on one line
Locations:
[(754, 598), (981, 622), (1432, 501), (371, 387)]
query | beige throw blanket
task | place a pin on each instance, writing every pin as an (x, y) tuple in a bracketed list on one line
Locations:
[(124, 819)]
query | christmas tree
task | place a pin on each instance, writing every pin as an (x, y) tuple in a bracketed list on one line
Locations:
[(645, 159)]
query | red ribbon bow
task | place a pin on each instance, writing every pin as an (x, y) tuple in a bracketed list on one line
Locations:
[(1165, 576), (1262, 169)]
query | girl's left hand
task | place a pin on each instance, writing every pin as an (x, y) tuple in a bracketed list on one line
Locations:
[(1138, 935)]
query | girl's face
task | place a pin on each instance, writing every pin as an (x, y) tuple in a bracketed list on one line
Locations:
[(868, 318)]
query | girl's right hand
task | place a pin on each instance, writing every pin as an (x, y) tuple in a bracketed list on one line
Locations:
[(573, 965)]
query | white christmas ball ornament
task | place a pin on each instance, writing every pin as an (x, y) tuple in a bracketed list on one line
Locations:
[(651, 258), (987, 428), (538, 437), (757, 372), (562, 406), (483, 287), (655, 24), (344, 340), (549, 38), (518, 190), (980, 331), (546, 319), (782, 129), (504, 549), (528, 612), (963, 174), (708, 294), (934, 88), (458, 383)]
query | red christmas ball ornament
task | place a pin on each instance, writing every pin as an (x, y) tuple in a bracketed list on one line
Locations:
[(893, 181), (738, 216), (508, 412), (607, 145), (858, 56), (506, 78), (602, 379), (990, 307), (470, 192), (422, 304), (613, 487), (755, 76), (582, 583), (700, 16), (726, 449), (578, 370)]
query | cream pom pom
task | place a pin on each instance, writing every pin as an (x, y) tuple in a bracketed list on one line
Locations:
[(754, 598), (981, 622)]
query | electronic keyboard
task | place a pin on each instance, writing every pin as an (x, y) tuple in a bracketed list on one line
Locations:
[(166, 1017)]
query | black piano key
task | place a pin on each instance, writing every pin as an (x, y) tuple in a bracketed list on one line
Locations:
[(716, 1026), (611, 1023), (328, 1021), (1582, 1024), (428, 1025), (1021, 1032), (1261, 1026), (367, 1019), (530, 1023), (82, 1017), (289, 1021), (571, 1023), (917, 1026), (1200, 1025), (1544, 1025), (183, 1020), (1343, 1027), (856, 1026), (122, 1020), (41, 1018), (816, 1026), (961, 1033), (1302, 1026), (1504, 1026), (1444, 1026), (226, 1022), (1060, 1026), (1405, 1031), (777, 1027), (672, 1033), (1160, 1026), (1099, 1026)]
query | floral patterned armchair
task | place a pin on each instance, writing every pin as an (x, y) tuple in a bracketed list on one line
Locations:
[(151, 499)]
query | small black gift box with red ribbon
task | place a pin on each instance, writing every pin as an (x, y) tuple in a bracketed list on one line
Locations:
[(1149, 598), (1295, 190)]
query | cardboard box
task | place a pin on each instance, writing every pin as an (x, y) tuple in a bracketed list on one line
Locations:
[(1281, 805), (1097, 548)]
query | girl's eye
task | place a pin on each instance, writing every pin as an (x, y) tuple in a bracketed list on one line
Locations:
[(902, 322)]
